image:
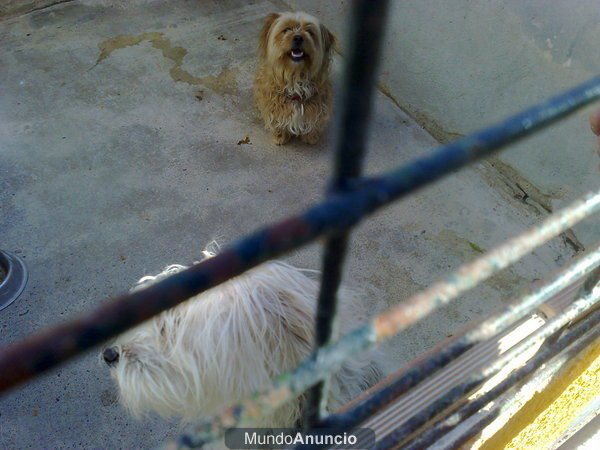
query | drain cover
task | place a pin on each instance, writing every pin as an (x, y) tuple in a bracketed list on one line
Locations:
[(13, 277)]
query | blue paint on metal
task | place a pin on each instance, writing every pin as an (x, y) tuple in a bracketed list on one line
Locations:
[(336, 213)]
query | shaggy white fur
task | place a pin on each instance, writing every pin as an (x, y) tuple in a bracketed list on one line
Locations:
[(196, 359)]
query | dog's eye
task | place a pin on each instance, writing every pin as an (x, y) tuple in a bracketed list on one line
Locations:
[(287, 29), (311, 32)]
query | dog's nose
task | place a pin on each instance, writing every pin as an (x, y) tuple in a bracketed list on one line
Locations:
[(110, 355), (298, 39)]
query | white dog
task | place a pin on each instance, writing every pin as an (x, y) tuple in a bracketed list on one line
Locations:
[(194, 360)]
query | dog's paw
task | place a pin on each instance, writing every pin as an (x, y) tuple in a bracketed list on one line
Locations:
[(281, 138), (310, 139)]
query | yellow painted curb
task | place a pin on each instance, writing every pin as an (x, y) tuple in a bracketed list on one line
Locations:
[(548, 413)]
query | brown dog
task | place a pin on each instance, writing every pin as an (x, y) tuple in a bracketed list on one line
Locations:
[(292, 89)]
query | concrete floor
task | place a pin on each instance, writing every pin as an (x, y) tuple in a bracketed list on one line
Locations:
[(121, 153), (459, 65)]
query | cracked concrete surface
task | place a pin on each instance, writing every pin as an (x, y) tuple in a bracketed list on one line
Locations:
[(460, 65), (128, 140), (15, 7)]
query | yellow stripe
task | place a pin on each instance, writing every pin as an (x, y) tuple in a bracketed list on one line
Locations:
[(548, 414)]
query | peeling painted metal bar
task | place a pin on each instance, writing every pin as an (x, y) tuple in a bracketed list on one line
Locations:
[(331, 357), (587, 299), (338, 212), (469, 275), (367, 27), (585, 333), (588, 328), (530, 298)]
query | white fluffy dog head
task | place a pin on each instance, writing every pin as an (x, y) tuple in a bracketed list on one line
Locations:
[(196, 359)]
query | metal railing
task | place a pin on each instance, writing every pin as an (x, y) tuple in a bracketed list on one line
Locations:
[(355, 106), (350, 199)]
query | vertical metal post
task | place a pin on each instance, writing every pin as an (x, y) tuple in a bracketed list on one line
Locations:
[(367, 29)]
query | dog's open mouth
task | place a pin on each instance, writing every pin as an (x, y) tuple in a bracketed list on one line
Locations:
[(297, 55)]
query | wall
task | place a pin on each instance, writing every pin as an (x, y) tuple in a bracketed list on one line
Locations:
[(458, 65)]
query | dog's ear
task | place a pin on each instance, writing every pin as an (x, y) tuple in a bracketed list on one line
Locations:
[(327, 38), (263, 39)]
